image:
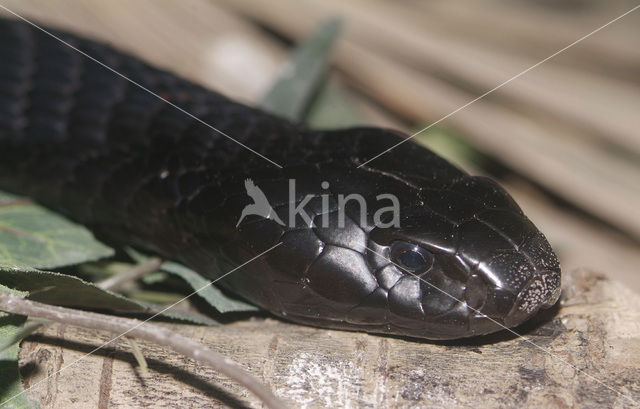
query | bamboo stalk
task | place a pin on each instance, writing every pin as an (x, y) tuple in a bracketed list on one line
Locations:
[(199, 41), (564, 94), (514, 25), (532, 149)]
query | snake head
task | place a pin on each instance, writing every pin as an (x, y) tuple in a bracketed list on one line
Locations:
[(465, 261)]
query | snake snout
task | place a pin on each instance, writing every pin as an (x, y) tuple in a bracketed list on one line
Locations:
[(540, 292)]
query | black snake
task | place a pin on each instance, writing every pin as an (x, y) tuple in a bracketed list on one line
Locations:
[(464, 259)]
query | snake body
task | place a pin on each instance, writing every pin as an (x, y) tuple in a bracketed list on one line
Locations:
[(463, 259)]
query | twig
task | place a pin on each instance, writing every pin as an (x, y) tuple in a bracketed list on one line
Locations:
[(16, 202), (112, 283), (137, 353), (148, 266), (148, 332)]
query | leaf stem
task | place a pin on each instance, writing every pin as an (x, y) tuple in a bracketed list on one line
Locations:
[(148, 266)]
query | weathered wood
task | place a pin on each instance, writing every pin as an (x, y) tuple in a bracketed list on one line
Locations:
[(596, 329)]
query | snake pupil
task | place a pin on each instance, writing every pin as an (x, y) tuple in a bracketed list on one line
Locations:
[(410, 256), (412, 260)]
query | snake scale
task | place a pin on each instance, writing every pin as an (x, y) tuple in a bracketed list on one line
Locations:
[(462, 259)]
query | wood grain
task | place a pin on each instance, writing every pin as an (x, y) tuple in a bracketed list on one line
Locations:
[(596, 329)]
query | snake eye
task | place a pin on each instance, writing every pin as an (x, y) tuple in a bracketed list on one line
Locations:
[(411, 257)]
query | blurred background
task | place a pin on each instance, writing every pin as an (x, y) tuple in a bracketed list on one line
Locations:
[(564, 138)]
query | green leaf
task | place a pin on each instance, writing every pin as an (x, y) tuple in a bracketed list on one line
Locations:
[(12, 394), (69, 291), (33, 236), (451, 147), (303, 75), (334, 108), (210, 293)]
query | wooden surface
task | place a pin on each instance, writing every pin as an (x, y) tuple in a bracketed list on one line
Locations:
[(597, 329)]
